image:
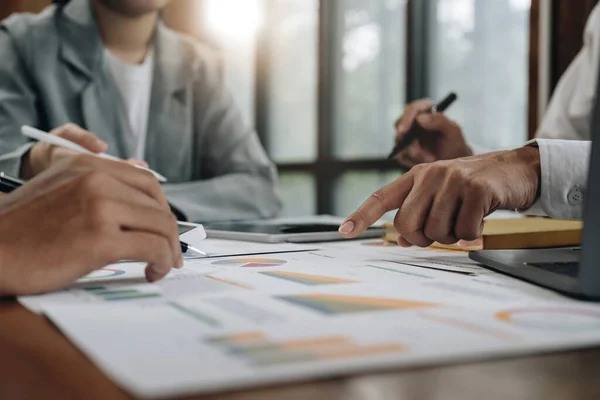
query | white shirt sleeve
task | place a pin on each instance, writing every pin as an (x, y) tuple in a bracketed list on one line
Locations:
[(569, 113), (564, 166)]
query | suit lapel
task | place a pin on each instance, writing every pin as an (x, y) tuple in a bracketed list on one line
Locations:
[(102, 115), (169, 126)]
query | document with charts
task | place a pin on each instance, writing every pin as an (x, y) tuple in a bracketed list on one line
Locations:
[(245, 321)]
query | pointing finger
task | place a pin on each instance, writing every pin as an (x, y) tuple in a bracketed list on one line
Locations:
[(387, 199)]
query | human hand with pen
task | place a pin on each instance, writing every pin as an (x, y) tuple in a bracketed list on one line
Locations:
[(43, 155), (79, 215), (436, 137)]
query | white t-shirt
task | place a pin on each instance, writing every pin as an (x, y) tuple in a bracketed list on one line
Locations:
[(135, 85)]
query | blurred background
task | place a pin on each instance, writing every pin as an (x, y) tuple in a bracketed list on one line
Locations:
[(323, 81)]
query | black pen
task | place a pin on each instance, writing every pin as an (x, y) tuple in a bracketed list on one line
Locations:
[(8, 184), (415, 129)]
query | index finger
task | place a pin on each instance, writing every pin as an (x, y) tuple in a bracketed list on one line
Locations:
[(411, 112), (80, 136), (126, 173), (386, 199)]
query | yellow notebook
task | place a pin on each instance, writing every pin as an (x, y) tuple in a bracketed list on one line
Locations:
[(519, 233)]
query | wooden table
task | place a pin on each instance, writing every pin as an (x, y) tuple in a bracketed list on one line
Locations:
[(38, 362)]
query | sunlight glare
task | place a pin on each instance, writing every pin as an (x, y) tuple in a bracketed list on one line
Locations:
[(236, 20)]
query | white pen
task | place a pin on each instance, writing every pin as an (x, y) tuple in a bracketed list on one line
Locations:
[(45, 137), (188, 249)]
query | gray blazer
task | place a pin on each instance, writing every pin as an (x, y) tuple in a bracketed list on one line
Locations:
[(52, 72)]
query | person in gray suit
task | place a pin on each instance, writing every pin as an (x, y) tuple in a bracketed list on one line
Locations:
[(114, 69)]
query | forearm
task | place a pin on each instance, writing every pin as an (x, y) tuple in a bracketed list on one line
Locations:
[(235, 196)]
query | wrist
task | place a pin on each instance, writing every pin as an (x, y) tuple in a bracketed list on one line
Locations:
[(529, 157)]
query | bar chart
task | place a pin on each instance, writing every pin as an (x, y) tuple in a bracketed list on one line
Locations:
[(257, 349)]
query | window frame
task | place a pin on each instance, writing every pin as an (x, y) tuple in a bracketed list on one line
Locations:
[(326, 169)]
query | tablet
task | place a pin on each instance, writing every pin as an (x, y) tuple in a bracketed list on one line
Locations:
[(283, 232)]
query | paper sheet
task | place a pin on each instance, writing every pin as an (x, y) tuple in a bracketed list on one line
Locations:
[(203, 345), (337, 266), (245, 321)]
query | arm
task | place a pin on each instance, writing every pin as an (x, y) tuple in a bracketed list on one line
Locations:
[(241, 180), (569, 112), (446, 201), (17, 106)]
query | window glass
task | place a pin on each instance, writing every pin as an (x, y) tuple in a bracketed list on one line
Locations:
[(292, 80), (353, 188), (369, 79), (297, 194), (480, 49)]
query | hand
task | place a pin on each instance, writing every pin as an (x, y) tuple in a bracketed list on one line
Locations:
[(446, 201), (80, 215), (43, 155), (442, 139)]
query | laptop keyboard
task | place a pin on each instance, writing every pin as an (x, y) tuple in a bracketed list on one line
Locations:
[(561, 268)]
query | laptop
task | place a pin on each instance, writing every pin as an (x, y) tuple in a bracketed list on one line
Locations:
[(574, 272)]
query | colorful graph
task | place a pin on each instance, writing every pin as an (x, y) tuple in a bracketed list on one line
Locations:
[(121, 294), (249, 262), (103, 273), (381, 243), (471, 327), (396, 271), (306, 279), (229, 282), (195, 314), (339, 304), (257, 349), (550, 318)]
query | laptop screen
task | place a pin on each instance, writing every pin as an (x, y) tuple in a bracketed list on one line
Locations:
[(589, 268)]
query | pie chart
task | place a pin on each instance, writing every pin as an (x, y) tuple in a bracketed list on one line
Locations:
[(104, 273), (379, 244), (249, 262)]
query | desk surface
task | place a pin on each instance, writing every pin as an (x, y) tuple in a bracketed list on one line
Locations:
[(37, 361)]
